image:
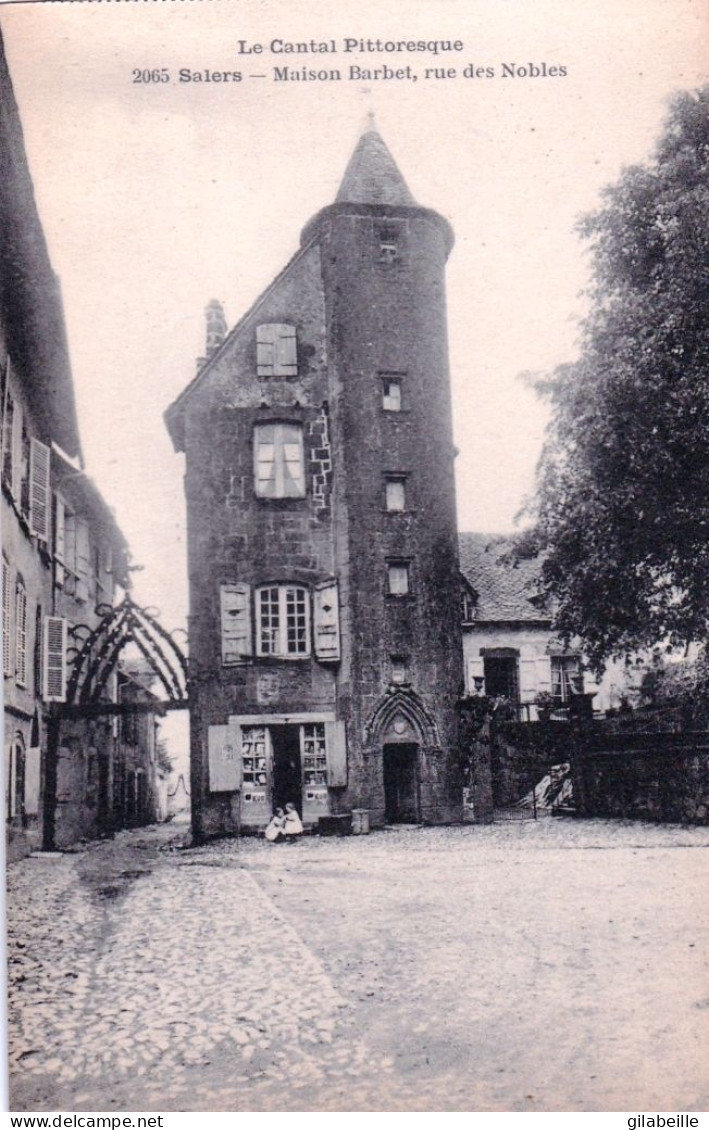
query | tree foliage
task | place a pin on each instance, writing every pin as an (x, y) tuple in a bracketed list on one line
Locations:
[(622, 505)]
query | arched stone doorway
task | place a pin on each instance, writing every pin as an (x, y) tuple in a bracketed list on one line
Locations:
[(401, 738)]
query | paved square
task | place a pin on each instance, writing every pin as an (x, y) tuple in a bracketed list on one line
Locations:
[(560, 965)]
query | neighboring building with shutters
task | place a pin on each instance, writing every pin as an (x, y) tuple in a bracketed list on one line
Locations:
[(325, 639), (61, 549), (509, 647)]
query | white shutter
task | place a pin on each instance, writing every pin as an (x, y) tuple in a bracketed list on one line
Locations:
[(59, 540), (476, 670), (336, 751), (83, 562), (527, 679), (6, 620), (265, 349), (21, 635), (286, 361), (235, 608), (40, 496), (326, 622), (54, 667), (544, 673), (224, 746)]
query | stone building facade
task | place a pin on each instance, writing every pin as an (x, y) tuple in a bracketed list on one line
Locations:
[(63, 555), (325, 640)]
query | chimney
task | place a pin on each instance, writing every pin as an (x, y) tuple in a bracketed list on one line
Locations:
[(216, 326)]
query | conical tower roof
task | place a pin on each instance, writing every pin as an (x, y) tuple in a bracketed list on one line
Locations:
[(371, 176)]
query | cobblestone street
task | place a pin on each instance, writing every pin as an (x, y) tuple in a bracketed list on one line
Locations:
[(560, 965)]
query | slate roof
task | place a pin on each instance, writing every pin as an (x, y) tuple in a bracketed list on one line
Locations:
[(504, 592), (372, 177)]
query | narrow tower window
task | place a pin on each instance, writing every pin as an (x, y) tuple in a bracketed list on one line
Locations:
[(395, 492), (391, 394), (398, 579)]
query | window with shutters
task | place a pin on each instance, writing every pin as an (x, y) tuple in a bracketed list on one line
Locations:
[(398, 578), (391, 393), (502, 676), (282, 628), (313, 753), (235, 610), (276, 350), (39, 490), (8, 441), (54, 674), (21, 634), (279, 469), (254, 747), (566, 677), (6, 619), (395, 492)]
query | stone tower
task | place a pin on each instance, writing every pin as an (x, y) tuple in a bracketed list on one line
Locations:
[(325, 647)]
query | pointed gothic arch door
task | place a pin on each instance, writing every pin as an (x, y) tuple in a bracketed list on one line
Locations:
[(401, 755)]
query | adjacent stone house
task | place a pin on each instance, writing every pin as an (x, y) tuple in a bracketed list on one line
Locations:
[(325, 639), (63, 555)]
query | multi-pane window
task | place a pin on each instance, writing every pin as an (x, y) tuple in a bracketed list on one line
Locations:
[(314, 754), (398, 578), (276, 351), (253, 755), (566, 677), (391, 394), (279, 470), (282, 620), (21, 634), (395, 492)]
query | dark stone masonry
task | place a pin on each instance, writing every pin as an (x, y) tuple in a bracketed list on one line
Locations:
[(325, 649)]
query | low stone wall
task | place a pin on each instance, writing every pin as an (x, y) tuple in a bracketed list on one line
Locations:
[(668, 786)]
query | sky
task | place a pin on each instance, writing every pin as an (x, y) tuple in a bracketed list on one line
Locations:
[(157, 197)]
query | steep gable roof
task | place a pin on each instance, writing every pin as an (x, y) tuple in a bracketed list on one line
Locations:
[(504, 592)]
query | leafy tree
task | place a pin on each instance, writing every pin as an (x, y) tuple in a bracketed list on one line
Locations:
[(164, 760), (622, 506)]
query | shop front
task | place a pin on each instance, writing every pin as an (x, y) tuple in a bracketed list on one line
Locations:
[(272, 760)]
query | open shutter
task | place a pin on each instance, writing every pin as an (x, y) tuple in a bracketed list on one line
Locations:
[(336, 751), (527, 679), (54, 671), (544, 674), (265, 350), (235, 608), (6, 619), (224, 744), (21, 634), (326, 622), (476, 670), (40, 496), (83, 563), (59, 540), (286, 362)]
